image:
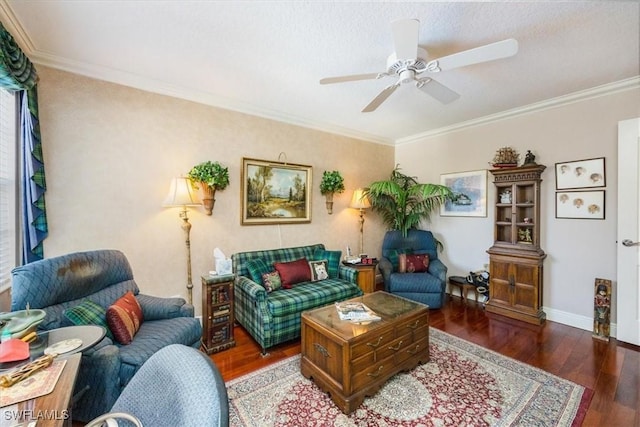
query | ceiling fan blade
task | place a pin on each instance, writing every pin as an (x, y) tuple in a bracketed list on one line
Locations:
[(437, 90), (352, 78), (405, 38), (489, 52), (382, 96)]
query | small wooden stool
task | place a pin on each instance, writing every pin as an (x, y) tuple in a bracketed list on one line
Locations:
[(463, 286)]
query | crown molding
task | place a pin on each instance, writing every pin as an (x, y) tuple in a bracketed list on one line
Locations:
[(583, 95), (12, 24), (176, 91)]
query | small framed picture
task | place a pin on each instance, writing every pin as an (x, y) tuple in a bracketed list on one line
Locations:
[(580, 204), (588, 173)]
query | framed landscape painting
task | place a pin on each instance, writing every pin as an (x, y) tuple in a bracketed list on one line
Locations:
[(469, 194), (275, 192)]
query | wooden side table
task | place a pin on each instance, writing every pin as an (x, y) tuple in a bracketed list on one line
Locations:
[(50, 410), (217, 313), (464, 287), (366, 276)]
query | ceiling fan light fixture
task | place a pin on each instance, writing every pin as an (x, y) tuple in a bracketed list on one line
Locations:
[(395, 65), (407, 76)]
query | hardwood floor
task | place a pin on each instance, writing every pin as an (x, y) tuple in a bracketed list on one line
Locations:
[(610, 369)]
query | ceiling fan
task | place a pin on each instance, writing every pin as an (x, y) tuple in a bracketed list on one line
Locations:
[(409, 61)]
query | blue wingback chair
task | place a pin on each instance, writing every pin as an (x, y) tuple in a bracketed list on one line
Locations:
[(428, 287), (102, 276), (177, 386)]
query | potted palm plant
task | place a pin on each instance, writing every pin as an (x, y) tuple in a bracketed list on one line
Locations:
[(403, 202), (332, 182), (210, 176)]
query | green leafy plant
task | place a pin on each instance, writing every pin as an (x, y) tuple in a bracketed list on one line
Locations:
[(332, 182), (403, 202), (212, 174)]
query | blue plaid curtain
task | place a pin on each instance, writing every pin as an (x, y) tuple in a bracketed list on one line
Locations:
[(18, 74)]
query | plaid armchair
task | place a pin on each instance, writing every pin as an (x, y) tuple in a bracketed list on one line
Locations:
[(273, 318), (102, 276)]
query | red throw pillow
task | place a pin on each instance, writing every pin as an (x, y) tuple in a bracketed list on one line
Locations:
[(124, 318), (293, 272), (417, 263)]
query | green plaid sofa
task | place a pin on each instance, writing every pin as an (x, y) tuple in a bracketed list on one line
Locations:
[(273, 318)]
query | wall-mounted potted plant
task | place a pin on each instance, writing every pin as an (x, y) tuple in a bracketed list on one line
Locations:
[(332, 182), (209, 176)]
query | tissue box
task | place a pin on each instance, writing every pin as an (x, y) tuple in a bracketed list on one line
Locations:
[(224, 266)]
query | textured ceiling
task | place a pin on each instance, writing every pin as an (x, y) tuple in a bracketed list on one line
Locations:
[(266, 58)]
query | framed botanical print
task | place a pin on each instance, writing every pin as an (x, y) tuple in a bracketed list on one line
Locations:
[(275, 192), (588, 173), (580, 204)]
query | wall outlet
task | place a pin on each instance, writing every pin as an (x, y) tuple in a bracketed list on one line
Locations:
[(486, 267)]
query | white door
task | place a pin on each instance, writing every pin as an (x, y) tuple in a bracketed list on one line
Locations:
[(628, 300)]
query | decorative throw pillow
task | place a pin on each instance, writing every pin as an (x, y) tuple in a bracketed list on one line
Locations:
[(319, 270), (402, 263), (88, 313), (332, 258), (417, 263), (293, 272), (257, 268), (271, 281), (124, 318), (392, 256)]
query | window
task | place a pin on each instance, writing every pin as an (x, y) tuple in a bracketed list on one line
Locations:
[(9, 184)]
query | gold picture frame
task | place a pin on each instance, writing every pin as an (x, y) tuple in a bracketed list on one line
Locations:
[(275, 192)]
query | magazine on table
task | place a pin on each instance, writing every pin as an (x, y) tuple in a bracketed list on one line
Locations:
[(356, 312)]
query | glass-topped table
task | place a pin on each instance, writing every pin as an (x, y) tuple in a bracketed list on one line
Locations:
[(388, 306), (89, 335), (351, 360)]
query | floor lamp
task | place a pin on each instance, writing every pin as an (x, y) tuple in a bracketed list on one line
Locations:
[(182, 195), (360, 202)]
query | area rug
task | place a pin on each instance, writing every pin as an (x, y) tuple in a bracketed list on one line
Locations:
[(462, 385)]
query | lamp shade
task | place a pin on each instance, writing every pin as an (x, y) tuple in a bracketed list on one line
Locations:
[(359, 201), (181, 194)]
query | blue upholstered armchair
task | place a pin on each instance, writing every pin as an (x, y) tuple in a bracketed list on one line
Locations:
[(177, 386), (102, 276), (427, 287)]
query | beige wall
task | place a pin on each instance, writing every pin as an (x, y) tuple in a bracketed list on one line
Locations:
[(111, 150), (578, 251)]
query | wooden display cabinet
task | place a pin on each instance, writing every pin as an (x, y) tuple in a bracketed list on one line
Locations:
[(217, 313), (516, 258)]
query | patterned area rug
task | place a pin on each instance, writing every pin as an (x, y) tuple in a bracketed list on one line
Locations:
[(462, 385)]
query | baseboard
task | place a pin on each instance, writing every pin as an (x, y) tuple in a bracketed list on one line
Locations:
[(575, 320), (559, 316)]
